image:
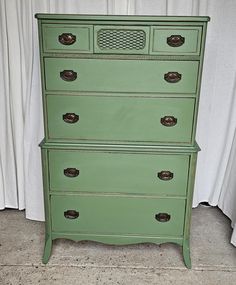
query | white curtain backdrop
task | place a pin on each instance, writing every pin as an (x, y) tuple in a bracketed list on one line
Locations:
[(21, 125)]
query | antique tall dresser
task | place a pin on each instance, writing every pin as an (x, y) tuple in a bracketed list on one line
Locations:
[(120, 99)]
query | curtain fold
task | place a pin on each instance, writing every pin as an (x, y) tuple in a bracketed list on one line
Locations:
[(12, 107), (21, 122)]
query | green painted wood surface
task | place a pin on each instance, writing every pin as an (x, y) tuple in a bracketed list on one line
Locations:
[(83, 33), (191, 45), (129, 18), (118, 239), (188, 212), (118, 172), (128, 119), (112, 215), (121, 75), (47, 208), (124, 148), (199, 77)]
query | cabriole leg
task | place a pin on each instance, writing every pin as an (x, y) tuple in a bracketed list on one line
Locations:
[(47, 249), (186, 254)]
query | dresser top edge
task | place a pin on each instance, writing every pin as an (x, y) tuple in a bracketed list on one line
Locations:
[(95, 17)]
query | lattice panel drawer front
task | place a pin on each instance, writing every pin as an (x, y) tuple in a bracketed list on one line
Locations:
[(120, 39)]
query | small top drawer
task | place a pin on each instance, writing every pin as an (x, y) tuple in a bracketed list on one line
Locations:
[(67, 38), (177, 40), (121, 39)]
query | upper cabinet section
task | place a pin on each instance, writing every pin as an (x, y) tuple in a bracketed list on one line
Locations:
[(122, 35)]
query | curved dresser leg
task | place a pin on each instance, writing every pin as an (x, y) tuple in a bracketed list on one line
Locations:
[(47, 249), (186, 254)]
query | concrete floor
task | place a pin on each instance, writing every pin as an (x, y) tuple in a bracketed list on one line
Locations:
[(72, 263)]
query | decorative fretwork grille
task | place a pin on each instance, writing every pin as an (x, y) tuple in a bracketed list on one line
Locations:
[(119, 39)]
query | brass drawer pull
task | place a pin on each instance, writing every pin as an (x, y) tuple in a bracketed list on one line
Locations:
[(165, 175), (162, 217), (168, 121), (172, 77), (68, 75), (71, 214), (67, 39), (175, 40), (71, 172), (70, 118)]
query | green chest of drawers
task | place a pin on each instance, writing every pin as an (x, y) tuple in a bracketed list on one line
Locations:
[(120, 97)]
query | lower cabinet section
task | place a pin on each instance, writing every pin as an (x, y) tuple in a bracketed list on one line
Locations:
[(117, 215), (118, 194)]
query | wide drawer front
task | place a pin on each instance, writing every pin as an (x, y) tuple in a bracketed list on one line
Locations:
[(117, 215), (127, 119), (141, 76), (117, 172)]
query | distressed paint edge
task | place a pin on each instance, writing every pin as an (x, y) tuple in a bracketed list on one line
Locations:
[(121, 17)]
